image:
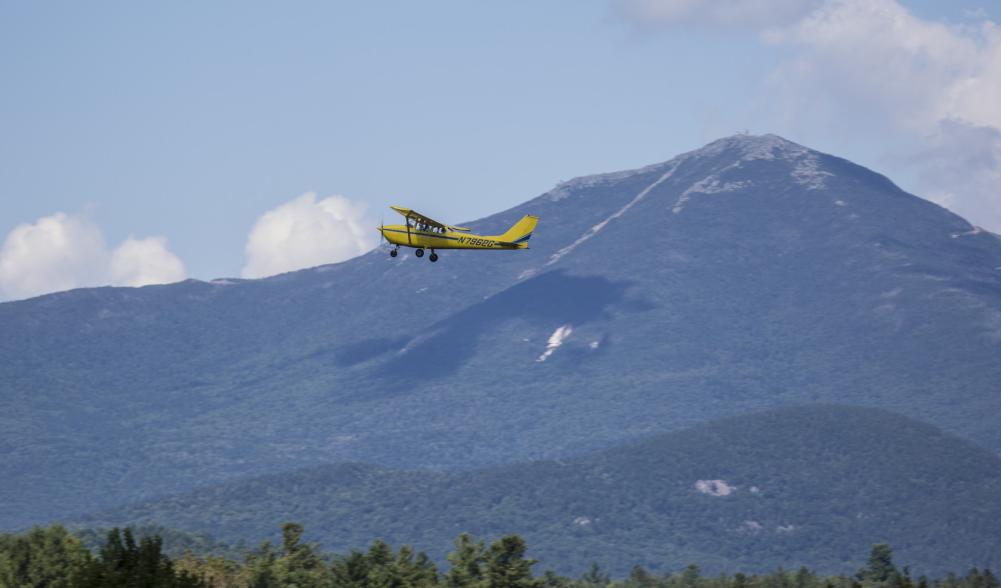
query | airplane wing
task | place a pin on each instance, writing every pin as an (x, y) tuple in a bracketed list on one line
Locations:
[(416, 216)]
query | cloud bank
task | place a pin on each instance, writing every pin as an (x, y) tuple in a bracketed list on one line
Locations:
[(61, 252), (873, 68), (306, 232)]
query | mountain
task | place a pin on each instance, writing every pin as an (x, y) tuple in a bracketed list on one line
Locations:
[(751, 273), (810, 486)]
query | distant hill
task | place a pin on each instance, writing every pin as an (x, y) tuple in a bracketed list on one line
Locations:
[(751, 273), (811, 485)]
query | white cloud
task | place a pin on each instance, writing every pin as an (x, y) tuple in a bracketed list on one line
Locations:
[(876, 53), (960, 168), (305, 232), (56, 252), (926, 93), (61, 251), (138, 262), (754, 14)]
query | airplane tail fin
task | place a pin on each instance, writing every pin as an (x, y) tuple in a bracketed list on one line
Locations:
[(521, 232)]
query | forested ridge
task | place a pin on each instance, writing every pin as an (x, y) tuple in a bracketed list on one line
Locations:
[(809, 486), (52, 557)]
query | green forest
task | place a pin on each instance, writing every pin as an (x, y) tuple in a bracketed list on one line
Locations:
[(811, 486), (54, 557)]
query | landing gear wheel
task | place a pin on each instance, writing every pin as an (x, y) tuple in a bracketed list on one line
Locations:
[(419, 253), (393, 253), (433, 257)]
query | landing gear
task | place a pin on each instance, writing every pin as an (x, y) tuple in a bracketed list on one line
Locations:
[(418, 252)]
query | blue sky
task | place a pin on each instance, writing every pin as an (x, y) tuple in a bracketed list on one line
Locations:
[(167, 130)]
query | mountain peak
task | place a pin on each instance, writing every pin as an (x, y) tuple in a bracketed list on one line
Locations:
[(734, 151), (751, 147), (741, 147)]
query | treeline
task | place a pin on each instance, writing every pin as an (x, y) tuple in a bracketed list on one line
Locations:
[(52, 557)]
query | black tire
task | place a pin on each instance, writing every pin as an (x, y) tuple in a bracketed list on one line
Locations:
[(419, 253), (433, 257), (392, 253)]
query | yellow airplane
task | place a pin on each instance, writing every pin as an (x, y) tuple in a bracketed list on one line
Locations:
[(421, 232)]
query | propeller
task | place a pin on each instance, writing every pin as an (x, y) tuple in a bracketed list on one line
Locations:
[(382, 237)]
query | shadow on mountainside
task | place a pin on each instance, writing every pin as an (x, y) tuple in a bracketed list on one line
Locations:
[(553, 297)]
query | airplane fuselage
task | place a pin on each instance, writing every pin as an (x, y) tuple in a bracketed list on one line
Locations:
[(425, 239)]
